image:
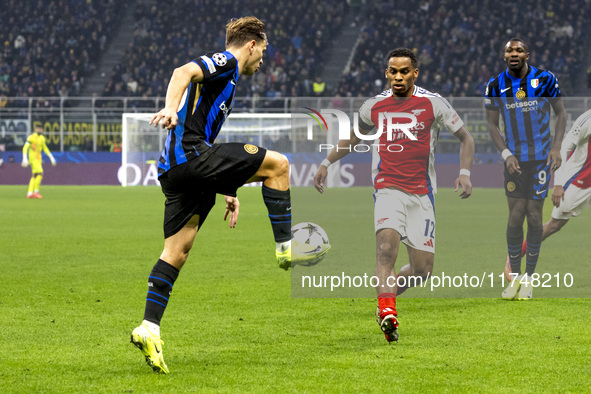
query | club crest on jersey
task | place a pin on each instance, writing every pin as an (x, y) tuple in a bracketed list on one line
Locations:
[(220, 59), (520, 94), (252, 149), (534, 83), (417, 112)]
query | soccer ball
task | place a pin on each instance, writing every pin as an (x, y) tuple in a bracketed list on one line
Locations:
[(308, 233)]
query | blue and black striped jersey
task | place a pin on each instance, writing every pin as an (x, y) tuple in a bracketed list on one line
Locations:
[(203, 109), (525, 107)]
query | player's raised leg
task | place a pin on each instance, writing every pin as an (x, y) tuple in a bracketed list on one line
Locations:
[(274, 173), (387, 245), (160, 282)]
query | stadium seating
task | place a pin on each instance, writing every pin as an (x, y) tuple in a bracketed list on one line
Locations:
[(459, 42), (49, 46), (167, 37)]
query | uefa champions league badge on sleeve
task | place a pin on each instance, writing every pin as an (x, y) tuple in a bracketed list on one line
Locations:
[(220, 59)]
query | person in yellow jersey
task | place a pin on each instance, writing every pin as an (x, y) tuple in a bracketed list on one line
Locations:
[(32, 155)]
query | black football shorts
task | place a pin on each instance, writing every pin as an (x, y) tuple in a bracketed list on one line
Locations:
[(531, 184), (190, 187)]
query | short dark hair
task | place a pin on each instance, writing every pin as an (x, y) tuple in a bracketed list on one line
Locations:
[(404, 52), (240, 31), (519, 40)]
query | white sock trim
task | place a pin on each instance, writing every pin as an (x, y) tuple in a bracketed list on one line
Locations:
[(152, 327), (282, 246)]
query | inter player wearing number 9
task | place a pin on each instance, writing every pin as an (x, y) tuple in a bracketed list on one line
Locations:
[(523, 95)]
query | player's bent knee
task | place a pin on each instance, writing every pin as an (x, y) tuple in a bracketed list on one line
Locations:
[(386, 251), (534, 219), (516, 218), (387, 244), (177, 247), (274, 165), (284, 165), (280, 164), (176, 258)]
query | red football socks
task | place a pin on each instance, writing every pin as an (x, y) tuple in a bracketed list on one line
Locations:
[(387, 304)]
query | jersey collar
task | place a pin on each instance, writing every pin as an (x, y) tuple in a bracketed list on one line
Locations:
[(390, 93), (516, 78)]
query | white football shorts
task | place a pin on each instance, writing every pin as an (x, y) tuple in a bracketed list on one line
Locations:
[(412, 215), (575, 199)]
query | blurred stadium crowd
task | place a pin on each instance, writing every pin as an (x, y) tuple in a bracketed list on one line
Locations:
[(459, 42), (166, 37), (50, 46)]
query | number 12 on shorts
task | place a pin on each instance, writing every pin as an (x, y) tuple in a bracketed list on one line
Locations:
[(429, 224)]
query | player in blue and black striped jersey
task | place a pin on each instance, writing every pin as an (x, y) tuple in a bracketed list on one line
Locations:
[(522, 97), (193, 168)]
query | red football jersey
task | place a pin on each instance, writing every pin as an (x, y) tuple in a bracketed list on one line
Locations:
[(398, 160)]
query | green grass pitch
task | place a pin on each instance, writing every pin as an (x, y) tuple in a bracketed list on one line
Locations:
[(73, 279)]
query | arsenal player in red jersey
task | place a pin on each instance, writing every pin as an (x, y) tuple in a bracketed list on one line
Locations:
[(408, 119)]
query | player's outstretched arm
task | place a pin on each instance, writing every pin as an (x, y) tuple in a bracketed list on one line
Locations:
[(232, 208), (181, 77), (511, 162), (554, 157), (340, 151), (466, 159)]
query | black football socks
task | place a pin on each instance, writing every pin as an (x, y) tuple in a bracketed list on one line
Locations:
[(534, 241), (514, 242), (278, 204), (160, 284)]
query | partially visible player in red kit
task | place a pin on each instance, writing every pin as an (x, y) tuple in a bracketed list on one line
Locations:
[(404, 176)]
